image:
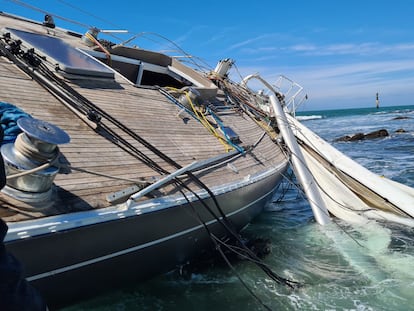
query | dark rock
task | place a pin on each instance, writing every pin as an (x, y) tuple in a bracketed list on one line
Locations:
[(348, 137), (400, 131), (357, 136), (377, 134), (343, 138), (362, 136), (401, 118)]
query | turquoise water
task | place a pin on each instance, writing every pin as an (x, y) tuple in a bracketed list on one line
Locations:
[(339, 267)]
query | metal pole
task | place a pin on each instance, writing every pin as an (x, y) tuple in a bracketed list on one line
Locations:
[(160, 182), (299, 165)]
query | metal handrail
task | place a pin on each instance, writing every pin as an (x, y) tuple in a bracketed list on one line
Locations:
[(293, 94)]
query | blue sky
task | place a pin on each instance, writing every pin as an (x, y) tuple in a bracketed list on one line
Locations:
[(342, 52)]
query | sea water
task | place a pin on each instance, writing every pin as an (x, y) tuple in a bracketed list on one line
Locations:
[(339, 267)]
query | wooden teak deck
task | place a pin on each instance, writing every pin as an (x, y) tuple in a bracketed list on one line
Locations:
[(95, 164)]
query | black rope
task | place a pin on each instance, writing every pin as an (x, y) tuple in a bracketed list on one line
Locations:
[(85, 106), (218, 248), (147, 160), (82, 104)]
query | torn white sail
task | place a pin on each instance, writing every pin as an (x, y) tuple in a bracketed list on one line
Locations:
[(350, 191)]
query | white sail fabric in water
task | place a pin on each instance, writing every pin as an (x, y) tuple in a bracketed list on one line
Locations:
[(350, 191)]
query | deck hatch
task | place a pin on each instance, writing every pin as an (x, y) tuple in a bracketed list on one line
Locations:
[(71, 60)]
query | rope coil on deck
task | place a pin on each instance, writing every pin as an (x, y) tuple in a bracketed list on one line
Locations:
[(45, 159), (27, 149)]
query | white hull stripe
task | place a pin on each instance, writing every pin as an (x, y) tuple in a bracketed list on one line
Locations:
[(132, 249)]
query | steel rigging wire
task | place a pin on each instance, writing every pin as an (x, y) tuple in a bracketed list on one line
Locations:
[(82, 104)]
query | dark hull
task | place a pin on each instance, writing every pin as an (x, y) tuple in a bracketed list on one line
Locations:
[(79, 263)]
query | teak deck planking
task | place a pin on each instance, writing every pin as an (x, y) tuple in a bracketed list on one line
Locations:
[(145, 111)]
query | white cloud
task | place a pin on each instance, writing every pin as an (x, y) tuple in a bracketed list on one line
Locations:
[(269, 43), (247, 42), (351, 83), (303, 48)]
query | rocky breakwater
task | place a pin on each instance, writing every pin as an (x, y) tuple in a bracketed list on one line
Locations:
[(361, 136)]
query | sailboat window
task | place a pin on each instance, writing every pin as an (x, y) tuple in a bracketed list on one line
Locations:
[(72, 61), (143, 67)]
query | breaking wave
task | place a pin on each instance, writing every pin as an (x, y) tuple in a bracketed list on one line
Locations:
[(312, 117)]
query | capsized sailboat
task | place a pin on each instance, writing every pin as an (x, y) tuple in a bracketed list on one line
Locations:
[(122, 163)]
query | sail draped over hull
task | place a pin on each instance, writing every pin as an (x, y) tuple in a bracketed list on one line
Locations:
[(352, 192)]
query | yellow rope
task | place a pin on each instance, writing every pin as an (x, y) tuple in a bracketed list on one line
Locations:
[(203, 120), (239, 93), (94, 40)]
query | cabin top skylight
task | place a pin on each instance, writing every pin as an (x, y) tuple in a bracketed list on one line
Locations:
[(70, 60)]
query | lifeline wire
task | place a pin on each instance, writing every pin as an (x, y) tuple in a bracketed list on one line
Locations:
[(301, 190), (83, 104)]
